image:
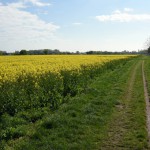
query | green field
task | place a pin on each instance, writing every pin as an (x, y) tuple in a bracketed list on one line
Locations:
[(109, 114)]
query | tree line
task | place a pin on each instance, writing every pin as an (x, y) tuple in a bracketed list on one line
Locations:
[(58, 52)]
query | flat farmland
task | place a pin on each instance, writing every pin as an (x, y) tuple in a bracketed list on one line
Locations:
[(73, 102)]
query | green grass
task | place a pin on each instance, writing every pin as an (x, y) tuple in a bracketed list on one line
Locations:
[(147, 71), (127, 129), (136, 136), (84, 121)]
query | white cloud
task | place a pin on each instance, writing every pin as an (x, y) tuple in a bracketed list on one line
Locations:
[(18, 26), (128, 9), (42, 12), (37, 3), (117, 12), (16, 5), (123, 16)]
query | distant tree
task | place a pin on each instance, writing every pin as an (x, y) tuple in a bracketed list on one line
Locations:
[(56, 51), (45, 51), (90, 52), (1, 53), (23, 52), (16, 53), (147, 43), (148, 50), (77, 52)]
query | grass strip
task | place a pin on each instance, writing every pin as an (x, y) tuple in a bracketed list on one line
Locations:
[(128, 127)]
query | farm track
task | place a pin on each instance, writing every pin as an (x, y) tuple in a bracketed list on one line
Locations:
[(147, 100), (119, 125)]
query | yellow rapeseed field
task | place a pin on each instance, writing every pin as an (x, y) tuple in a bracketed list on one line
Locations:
[(13, 66), (28, 82)]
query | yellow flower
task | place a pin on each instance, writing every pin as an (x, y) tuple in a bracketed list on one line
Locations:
[(14, 66)]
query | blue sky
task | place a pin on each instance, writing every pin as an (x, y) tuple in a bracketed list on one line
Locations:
[(71, 25)]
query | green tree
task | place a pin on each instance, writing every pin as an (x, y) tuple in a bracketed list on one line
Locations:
[(147, 45), (1, 53), (148, 50), (45, 51), (23, 52)]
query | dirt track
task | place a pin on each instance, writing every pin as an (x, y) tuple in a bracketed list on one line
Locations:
[(120, 122)]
